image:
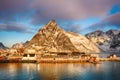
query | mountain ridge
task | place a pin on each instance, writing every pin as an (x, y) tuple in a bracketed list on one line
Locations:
[(52, 38), (107, 41)]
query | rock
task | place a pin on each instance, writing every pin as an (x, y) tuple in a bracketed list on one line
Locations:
[(52, 38), (26, 43), (17, 45), (20, 45), (106, 41)]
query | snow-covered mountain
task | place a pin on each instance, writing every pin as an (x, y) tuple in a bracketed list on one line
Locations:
[(107, 41)]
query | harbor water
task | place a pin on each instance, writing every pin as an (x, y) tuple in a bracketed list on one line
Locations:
[(60, 71)]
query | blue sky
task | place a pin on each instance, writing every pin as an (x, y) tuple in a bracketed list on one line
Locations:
[(21, 19)]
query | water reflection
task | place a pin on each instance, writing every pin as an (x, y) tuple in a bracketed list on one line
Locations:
[(56, 71), (79, 71)]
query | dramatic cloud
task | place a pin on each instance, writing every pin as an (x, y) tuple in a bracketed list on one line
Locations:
[(38, 12), (69, 26), (71, 9), (112, 21), (8, 9), (57, 9), (74, 28), (17, 27)]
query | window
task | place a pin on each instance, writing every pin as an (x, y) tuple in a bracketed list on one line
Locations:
[(25, 55), (32, 55)]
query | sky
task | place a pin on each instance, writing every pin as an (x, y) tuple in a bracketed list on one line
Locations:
[(20, 20)]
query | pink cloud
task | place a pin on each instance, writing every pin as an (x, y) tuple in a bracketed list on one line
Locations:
[(73, 9), (58, 9)]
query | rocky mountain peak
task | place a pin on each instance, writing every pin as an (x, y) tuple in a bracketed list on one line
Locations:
[(51, 23), (112, 32), (109, 42), (17, 45), (51, 38), (50, 27), (97, 33)]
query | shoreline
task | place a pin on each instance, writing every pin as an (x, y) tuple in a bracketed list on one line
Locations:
[(92, 58), (60, 61)]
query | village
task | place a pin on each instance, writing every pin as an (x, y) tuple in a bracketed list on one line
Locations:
[(31, 55)]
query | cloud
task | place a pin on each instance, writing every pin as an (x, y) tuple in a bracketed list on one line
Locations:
[(14, 26), (72, 27), (39, 12), (43, 10), (71, 9), (8, 9), (112, 21)]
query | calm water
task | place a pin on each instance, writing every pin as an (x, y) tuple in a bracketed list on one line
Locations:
[(76, 71)]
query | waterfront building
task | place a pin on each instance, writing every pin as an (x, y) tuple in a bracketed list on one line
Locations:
[(113, 56), (29, 54)]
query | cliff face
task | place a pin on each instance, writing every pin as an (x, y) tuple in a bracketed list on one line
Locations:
[(17, 45), (107, 41), (114, 39), (52, 38)]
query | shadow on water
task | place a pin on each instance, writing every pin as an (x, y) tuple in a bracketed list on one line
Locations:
[(64, 71)]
